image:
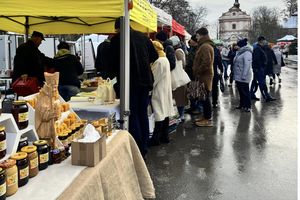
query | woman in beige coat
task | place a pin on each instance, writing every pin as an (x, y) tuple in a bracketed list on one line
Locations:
[(203, 71), (162, 101), (180, 94)]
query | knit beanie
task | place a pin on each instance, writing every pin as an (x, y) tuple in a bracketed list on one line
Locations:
[(242, 42), (159, 48), (162, 36)]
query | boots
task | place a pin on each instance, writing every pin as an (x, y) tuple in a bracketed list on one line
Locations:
[(164, 137)]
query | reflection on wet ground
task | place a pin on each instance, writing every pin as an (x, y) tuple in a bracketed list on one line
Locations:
[(244, 156)]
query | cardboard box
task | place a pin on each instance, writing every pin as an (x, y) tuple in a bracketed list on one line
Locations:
[(88, 154)]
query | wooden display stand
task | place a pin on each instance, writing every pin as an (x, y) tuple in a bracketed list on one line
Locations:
[(13, 134)]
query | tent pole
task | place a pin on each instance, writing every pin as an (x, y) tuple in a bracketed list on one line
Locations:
[(26, 28), (125, 68)]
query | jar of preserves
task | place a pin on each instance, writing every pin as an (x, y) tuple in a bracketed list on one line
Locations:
[(20, 112), (11, 173), (63, 137), (2, 142), (23, 167), (2, 184), (43, 153), (22, 143), (33, 160), (69, 132)]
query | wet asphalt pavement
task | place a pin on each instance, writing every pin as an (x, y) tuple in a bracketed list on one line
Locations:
[(245, 156)]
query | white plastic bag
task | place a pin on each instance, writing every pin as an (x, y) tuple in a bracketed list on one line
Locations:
[(178, 76)]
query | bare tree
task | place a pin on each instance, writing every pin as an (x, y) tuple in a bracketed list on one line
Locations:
[(291, 7), (183, 13), (265, 21)]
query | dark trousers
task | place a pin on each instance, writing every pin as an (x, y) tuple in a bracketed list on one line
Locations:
[(207, 111), (245, 100), (161, 130), (225, 64), (138, 119), (215, 90), (259, 80)]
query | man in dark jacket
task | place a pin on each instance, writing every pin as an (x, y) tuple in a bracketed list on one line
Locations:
[(142, 53), (102, 59), (69, 69), (231, 56), (259, 63), (271, 60), (29, 61), (215, 88)]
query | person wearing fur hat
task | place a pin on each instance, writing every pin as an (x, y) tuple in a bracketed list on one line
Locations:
[(242, 74), (162, 100), (180, 94)]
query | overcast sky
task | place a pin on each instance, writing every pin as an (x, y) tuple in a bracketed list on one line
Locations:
[(215, 8)]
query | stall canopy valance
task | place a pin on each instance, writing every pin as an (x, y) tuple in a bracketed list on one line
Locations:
[(163, 18), (72, 16), (177, 28)]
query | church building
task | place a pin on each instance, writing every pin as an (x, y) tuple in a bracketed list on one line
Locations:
[(234, 24)]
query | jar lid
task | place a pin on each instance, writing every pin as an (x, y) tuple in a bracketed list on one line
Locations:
[(19, 102), (40, 142), (29, 149), (22, 139), (7, 163), (18, 156), (2, 128)]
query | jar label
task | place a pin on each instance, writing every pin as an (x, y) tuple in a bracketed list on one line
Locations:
[(3, 189), (12, 180), (24, 173), (44, 158), (3, 145), (34, 163), (23, 117)]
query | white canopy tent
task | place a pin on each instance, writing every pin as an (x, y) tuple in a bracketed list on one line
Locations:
[(287, 38), (163, 18)]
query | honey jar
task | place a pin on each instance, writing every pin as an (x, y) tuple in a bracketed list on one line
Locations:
[(33, 160), (23, 167), (2, 142), (11, 173), (22, 143), (2, 184), (20, 112), (43, 153), (63, 137)]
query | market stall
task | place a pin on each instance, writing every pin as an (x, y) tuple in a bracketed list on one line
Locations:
[(67, 17), (178, 29), (164, 20)]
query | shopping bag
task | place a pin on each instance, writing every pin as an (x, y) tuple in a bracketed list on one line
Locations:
[(106, 92), (26, 86), (196, 90), (178, 76)]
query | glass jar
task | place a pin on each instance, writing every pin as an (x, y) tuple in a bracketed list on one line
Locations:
[(2, 184), (43, 152), (33, 160), (63, 137), (23, 167), (11, 173), (20, 112), (22, 143), (69, 132), (2, 142)]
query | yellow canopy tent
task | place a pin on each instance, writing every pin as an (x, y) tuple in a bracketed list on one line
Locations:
[(72, 16)]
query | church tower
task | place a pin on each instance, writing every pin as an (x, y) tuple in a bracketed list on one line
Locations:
[(234, 24)]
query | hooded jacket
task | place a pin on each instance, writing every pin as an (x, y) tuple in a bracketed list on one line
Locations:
[(203, 63), (242, 65)]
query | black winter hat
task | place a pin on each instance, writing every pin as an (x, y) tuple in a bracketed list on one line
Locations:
[(162, 36), (242, 42), (202, 31), (261, 38)]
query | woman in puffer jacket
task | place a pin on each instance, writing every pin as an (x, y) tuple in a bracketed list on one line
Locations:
[(162, 101), (242, 74)]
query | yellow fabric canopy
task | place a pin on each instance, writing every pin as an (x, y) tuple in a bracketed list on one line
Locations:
[(72, 16)]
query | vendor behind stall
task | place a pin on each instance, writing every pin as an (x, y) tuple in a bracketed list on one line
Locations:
[(29, 61), (69, 68)]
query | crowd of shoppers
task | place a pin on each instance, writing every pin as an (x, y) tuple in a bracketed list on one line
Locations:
[(151, 67)]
